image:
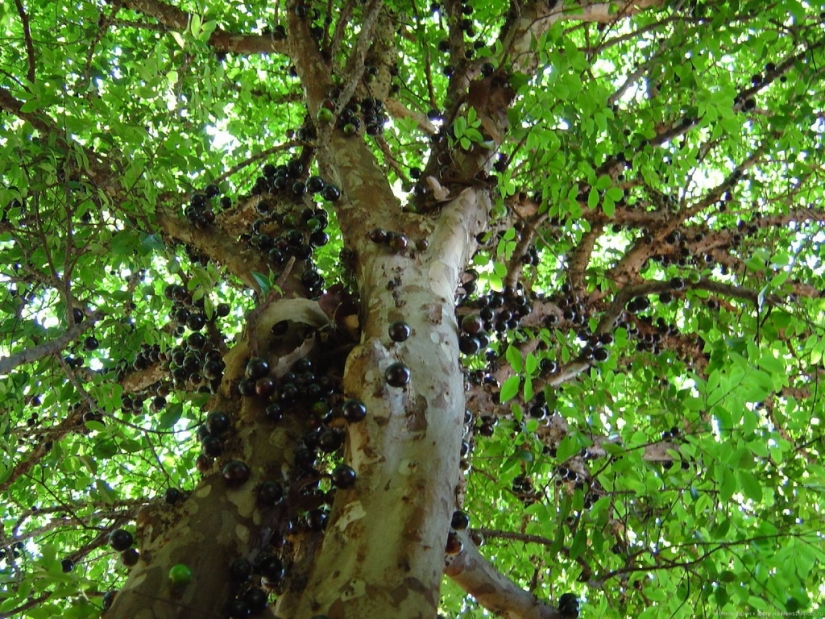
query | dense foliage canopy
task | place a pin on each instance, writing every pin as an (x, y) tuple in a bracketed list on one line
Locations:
[(639, 314)]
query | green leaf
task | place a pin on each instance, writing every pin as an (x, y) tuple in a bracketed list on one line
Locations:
[(579, 543), (509, 389), (514, 358), (751, 487)]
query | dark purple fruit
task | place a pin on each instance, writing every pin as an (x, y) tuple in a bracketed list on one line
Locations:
[(108, 600), (240, 570), (274, 412), (264, 387), (472, 324), (270, 493), (129, 557), (172, 496), (377, 235), (454, 544), (354, 410), (343, 477), (217, 423), (120, 540), (460, 521), (257, 368), (399, 331), (90, 343), (238, 609), (235, 473), (196, 341), (469, 344), (315, 184), (270, 567), (331, 193), (203, 463), (246, 387), (257, 600), (397, 375), (67, 565), (317, 519), (211, 446), (330, 440), (398, 242)]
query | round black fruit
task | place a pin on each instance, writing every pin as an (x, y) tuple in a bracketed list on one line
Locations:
[(469, 344), (211, 446), (399, 331), (271, 568), (217, 423), (172, 496), (460, 521), (129, 557), (343, 476), (354, 410), (235, 473), (240, 570), (238, 609), (397, 375), (270, 493), (90, 343), (331, 193), (257, 599), (257, 368), (120, 540), (67, 565)]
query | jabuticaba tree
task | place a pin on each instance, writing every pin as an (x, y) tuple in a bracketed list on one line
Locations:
[(387, 309)]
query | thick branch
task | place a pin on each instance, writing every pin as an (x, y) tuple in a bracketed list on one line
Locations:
[(174, 18), (492, 589)]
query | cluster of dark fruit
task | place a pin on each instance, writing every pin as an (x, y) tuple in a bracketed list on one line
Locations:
[(524, 490), (497, 311), (573, 310), (121, 541), (189, 314), (12, 551), (649, 336), (147, 356), (195, 363), (595, 349), (396, 241), (459, 522), (246, 577), (568, 606), (199, 212), (465, 23), (531, 257), (212, 434), (291, 180), (306, 388), (369, 110)]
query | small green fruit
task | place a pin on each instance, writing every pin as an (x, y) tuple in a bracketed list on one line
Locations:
[(325, 115), (180, 575)]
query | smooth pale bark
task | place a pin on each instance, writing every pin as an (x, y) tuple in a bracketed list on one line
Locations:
[(490, 588), (383, 552)]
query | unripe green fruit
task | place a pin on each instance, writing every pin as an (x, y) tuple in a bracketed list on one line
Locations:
[(180, 575), (325, 115)]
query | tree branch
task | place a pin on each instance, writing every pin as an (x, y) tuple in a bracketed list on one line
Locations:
[(7, 364), (27, 35), (492, 589), (220, 40)]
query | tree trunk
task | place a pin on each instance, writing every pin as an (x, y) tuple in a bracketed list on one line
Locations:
[(383, 552)]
